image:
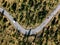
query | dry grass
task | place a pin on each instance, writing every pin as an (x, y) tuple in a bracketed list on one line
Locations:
[(10, 36), (21, 12), (48, 36)]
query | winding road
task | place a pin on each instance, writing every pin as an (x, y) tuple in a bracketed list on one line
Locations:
[(32, 31)]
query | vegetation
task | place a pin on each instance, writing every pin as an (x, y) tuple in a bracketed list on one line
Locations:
[(29, 13), (50, 35)]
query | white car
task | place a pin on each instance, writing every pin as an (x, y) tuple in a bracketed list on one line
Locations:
[(13, 21)]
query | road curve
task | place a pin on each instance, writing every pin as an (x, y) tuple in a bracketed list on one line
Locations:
[(33, 31)]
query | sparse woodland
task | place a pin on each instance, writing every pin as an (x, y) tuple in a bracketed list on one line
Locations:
[(29, 13)]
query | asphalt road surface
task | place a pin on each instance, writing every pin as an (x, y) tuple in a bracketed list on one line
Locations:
[(32, 31)]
